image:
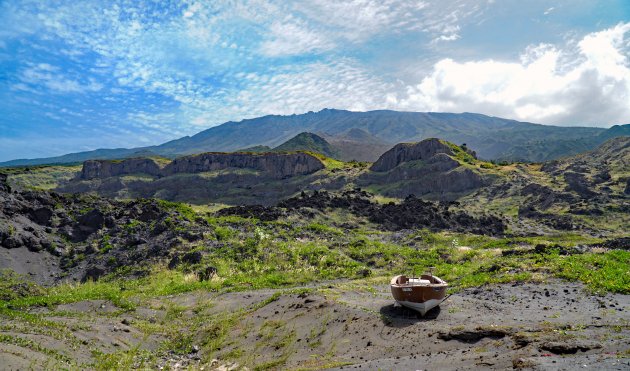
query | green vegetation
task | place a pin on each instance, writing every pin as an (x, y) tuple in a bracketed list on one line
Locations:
[(41, 177)]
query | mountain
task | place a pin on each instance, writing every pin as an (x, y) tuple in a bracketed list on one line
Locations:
[(492, 137), (357, 144), (308, 142), (256, 149)]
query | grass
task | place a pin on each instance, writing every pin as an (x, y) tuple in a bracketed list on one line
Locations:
[(41, 177)]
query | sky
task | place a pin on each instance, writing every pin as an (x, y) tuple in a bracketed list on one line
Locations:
[(81, 75)]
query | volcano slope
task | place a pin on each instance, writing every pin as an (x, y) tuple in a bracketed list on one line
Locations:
[(302, 283)]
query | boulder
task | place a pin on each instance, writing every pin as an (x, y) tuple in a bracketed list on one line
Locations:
[(93, 219), (93, 274), (193, 257), (578, 183), (42, 215), (4, 185), (570, 347)]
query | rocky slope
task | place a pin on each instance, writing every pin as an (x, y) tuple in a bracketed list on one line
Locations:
[(53, 237), (276, 165), (569, 194), (586, 191)]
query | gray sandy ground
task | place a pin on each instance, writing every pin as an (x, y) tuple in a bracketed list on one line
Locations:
[(354, 325)]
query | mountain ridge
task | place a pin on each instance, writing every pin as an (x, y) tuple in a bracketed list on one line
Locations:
[(493, 137)]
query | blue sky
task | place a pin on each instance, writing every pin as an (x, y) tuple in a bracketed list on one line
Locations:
[(81, 75)]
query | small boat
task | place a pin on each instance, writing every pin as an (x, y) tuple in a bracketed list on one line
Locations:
[(420, 294)]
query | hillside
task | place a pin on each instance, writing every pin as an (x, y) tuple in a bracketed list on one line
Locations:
[(308, 142), (492, 137), (358, 145)]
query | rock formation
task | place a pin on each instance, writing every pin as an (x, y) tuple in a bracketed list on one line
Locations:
[(94, 169), (405, 152), (276, 165), (429, 168), (409, 214)]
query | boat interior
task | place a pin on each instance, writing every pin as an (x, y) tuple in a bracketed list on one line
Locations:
[(423, 280)]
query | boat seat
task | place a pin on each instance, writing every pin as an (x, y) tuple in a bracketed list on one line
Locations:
[(418, 281)]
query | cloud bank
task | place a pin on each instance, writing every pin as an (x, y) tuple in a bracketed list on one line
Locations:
[(587, 83)]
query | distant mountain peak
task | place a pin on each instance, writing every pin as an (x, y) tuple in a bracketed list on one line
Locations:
[(306, 141)]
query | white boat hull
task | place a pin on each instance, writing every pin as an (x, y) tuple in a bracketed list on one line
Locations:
[(422, 308)]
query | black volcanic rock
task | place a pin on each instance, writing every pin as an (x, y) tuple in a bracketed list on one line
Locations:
[(4, 186), (80, 233), (578, 183), (410, 214)]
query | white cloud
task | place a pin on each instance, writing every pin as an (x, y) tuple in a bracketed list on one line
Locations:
[(293, 37), (547, 85), (50, 77), (340, 84)]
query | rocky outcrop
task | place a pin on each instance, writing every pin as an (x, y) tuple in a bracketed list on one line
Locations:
[(75, 234), (95, 169), (405, 152), (428, 168), (276, 165)]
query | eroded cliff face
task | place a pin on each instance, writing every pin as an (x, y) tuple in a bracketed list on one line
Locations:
[(93, 169), (276, 165), (424, 168), (405, 152)]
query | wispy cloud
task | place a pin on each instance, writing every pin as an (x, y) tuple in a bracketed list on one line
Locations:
[(53, 80)]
